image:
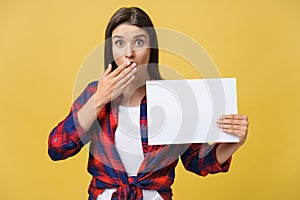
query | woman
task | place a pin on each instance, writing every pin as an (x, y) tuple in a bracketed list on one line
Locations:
[(111, 115)]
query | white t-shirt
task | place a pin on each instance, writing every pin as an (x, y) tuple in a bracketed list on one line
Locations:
[(128, 139), (129, 146)]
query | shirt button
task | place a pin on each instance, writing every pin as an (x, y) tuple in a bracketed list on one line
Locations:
[(143, 125), (55, 140)]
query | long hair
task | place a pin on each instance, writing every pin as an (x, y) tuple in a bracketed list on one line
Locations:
[(136, 17)]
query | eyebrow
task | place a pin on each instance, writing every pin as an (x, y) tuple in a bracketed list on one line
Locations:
[(117, 36), (136, 36), (140, 35)]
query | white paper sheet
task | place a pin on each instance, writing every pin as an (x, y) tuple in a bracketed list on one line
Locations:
[(186, 111)]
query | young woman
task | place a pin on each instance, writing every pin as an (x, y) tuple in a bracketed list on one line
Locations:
[(111, 115)]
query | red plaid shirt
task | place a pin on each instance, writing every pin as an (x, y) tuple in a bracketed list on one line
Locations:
[(157, 171)]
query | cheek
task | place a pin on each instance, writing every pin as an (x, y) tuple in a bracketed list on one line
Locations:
[(118, 56), (143, 56)]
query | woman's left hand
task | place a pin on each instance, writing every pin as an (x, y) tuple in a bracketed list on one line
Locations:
[(234, 124)]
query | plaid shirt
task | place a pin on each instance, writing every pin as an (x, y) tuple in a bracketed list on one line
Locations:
[(157, 171)]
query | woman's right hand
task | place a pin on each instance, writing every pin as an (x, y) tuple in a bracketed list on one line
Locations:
[(111, 84)]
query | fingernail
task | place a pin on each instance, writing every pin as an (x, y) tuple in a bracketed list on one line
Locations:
[(133, 64)]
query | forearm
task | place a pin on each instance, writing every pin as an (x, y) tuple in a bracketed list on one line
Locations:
[(66, 139), (88, 113), (225, 150)]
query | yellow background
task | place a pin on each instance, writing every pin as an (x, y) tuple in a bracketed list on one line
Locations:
[(43, 43)]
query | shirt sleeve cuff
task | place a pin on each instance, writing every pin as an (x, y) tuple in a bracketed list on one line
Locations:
[(225, 166), (208, 153)]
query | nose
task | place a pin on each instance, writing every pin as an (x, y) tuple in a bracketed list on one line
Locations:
[(129, 53)]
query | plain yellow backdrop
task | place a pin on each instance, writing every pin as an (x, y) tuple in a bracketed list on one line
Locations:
[(44, 43)]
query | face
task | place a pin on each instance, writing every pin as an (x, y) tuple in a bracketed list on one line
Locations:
[(130, 43)]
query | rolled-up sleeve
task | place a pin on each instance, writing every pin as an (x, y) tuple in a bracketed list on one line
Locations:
[(68, 137), (201, 159)]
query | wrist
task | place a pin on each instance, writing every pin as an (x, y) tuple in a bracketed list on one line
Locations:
[(225, 150), (97, 104)]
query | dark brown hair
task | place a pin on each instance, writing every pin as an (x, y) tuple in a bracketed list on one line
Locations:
[(136, 17)]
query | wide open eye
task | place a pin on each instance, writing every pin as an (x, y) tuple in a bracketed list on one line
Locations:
[(119, 43), (139, 43)]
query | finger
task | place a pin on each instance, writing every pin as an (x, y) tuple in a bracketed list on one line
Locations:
[(120, 68), (234, 116), (233, 122), (118, 81), (242, 135), (123, 79), (118, 88), (234, 132), (125, 84), (233, 127), (107, 71), (125, 74)]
